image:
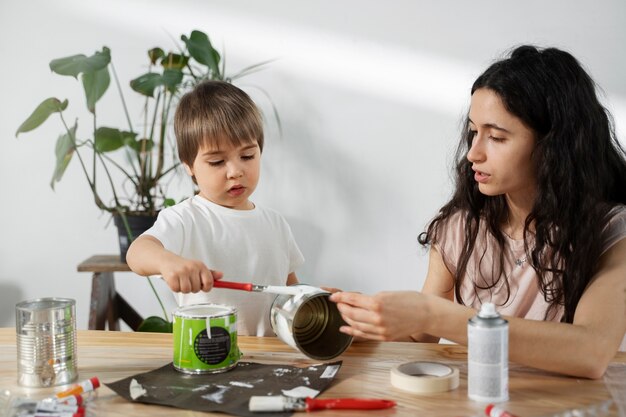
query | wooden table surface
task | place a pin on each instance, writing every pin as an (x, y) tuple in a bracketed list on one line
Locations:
[(365, 373)]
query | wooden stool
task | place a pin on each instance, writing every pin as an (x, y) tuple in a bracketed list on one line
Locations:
[(107, 306)]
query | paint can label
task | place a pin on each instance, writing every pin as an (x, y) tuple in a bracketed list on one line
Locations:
[(205, 339)]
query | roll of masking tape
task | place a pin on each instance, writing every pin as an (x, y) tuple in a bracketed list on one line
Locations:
[(424, 377)]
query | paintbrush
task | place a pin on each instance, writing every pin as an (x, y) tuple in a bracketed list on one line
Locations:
[(279, 403), (272, 289)]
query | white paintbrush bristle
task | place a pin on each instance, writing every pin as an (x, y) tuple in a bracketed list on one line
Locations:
[(260, 404), (277, 289)]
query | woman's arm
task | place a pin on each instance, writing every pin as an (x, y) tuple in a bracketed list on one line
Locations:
[(583, 348), (439, 282), (406, 315)]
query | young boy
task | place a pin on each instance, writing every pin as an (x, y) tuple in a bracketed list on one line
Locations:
[(219, 132)]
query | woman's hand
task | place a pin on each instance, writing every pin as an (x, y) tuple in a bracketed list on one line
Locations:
[(331, 290), (384, 316)]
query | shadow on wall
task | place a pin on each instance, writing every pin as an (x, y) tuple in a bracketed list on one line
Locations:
[(9, 296)]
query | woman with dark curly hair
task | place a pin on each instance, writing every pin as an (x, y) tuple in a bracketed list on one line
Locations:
[(536, 225)]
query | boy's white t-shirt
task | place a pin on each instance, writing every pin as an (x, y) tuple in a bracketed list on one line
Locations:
[(246, 245)]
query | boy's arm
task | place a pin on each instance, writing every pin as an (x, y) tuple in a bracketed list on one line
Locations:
[(147, 256)]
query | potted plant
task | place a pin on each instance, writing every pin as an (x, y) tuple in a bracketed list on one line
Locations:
[(133, 165)]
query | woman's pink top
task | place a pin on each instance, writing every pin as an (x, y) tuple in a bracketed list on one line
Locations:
[(525, 299)]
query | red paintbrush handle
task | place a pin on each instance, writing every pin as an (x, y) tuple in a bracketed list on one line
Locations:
[(348, 403), (232, 285)]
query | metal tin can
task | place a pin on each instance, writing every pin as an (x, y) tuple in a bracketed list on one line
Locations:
[(488, 356), (46, 342), (310, 322), (205, 339)]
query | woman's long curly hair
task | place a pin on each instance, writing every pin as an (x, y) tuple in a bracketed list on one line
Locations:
[(580, 167)]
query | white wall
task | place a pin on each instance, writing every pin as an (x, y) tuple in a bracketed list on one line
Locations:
[(370, 94)]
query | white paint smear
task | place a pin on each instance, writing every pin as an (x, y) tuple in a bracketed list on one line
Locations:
[(330, 371), (241, 384), (217, 396), (301, 392), (281, 371), (136, 390)]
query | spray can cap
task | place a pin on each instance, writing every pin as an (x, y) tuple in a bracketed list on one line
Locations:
[(488, 310)]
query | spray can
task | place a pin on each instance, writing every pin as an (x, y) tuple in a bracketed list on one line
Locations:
[(488, 356)]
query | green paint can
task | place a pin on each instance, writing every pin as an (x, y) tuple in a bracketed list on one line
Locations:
[(205, 339)]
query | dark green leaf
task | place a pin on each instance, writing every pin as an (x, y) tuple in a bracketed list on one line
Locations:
[(76, 64), (174, 61), (200, 48), (95, 84), (41, 114), (128, 137), (108, 139), (137, 145), (155, 54), (172, 79), (168, 202), (145, 84), (145, 145), (155, 324), (66, 144)]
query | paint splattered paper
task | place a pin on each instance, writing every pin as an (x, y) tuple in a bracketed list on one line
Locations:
[(227, 392)]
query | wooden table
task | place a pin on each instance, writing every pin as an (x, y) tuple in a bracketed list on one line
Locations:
[(107, 305), (365, 373)]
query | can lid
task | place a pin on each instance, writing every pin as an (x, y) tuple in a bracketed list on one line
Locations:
[(488, 310), (204, 311)]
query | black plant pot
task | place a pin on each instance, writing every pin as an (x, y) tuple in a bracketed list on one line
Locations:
[(137, 224)]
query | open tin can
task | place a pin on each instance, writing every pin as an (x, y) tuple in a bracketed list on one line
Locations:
[(46, 342), (310, 322)]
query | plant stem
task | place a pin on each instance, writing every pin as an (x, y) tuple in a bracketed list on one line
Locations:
[(129, 233), (119, 89), (158, 299), (167, 103), (106, 170), (92, 185), (118, 166)]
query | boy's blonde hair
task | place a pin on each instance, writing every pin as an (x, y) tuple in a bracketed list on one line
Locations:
[(214, 112)]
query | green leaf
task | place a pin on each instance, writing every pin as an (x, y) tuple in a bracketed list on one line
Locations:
[(136, 145), (128, 137), (168, 202), (95, 84), (66, 144), (41, 114), (108, 139), (76, 64), (155, 324), (147, 83), (174, 61), (155, 54), (145, 145), (172, 79), (200, 48)]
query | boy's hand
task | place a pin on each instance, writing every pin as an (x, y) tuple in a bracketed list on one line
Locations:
[(188, 275)]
